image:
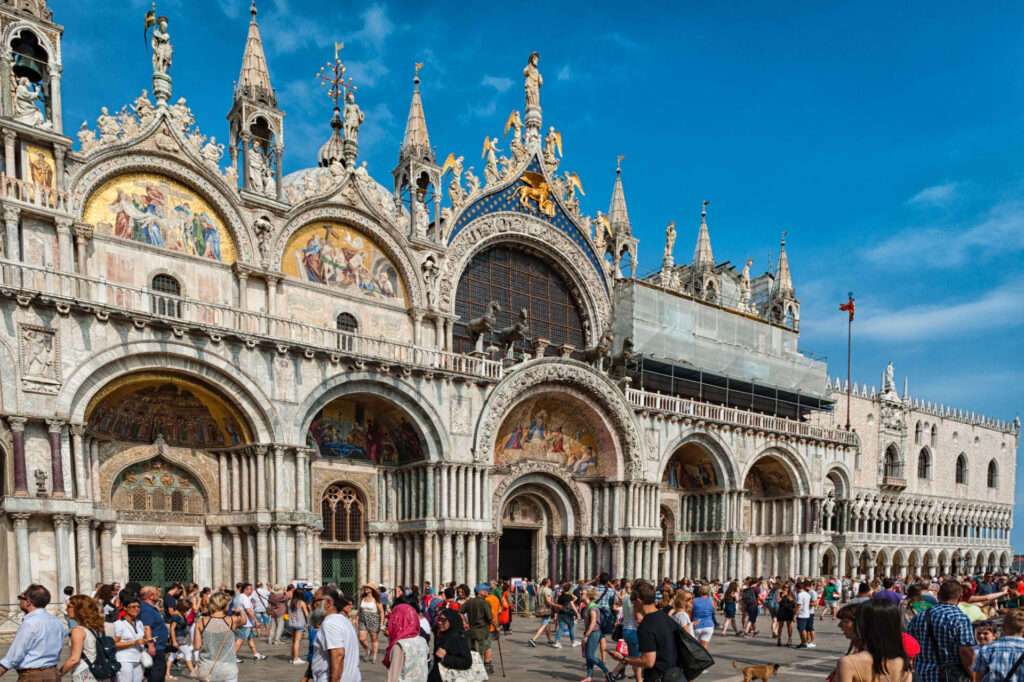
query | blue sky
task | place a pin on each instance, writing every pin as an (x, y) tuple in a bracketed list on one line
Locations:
[(884, 138)]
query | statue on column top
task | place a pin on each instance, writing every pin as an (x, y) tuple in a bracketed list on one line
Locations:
[(534, 81), (162, 48), (353, 117), (670, 240)]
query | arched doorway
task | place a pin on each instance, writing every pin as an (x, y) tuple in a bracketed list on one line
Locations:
[(829, 562), (695, 475), (343, 512), (771, 509), (523, 522)]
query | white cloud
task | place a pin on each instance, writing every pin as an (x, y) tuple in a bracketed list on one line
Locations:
[(565, 73), (376, 29), (938, 195), (623, 41), (497, 82)]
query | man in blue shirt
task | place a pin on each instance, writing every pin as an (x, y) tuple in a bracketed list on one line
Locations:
[(951, 631), (35, 651), (888, 593), (157, 629), (995, 660)]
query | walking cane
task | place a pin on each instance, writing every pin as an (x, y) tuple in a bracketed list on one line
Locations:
[(500, 657)]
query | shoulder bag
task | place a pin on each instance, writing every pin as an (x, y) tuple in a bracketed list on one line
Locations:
[(948, 672), (204, 675)]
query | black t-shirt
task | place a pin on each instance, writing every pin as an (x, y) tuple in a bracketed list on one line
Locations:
[(657, 633), (170, 602), (565, 600)]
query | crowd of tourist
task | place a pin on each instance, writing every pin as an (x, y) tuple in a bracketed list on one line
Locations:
[(935, 630)]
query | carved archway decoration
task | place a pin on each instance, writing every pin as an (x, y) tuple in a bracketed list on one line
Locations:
[(548, 480)]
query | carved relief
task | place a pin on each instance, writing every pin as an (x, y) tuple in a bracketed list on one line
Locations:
[(522, 510), (462, 408), (555, 471), (40, 360)]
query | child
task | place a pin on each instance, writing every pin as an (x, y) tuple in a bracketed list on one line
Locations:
[(984, 634)]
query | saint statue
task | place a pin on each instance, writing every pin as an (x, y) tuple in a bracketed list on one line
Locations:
[(534, 81), (353, 117), (212, 152), (670, 240), (890, 384), (420, 218), (144, 109), (162, 48), (25, 107), (108, 126), (261, 178)]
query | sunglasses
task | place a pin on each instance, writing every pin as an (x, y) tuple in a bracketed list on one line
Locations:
[(22, 597)]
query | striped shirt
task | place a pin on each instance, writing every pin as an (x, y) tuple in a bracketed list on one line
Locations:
[(952, 630), (995, 659)]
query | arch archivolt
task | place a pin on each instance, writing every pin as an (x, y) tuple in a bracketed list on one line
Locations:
[(791, 462), (16, 28), (395, 391), (539, 496), (363, 482), (202, 466), (120, 159), (384, 238), (838, 471), (537, 235), (550, 479), (722, 458), (606, 409), (106, 365)]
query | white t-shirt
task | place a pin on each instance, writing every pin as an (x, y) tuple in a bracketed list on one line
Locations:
[(127, 633), (260, 597), (803, 603), (243, 602), (336, 632)]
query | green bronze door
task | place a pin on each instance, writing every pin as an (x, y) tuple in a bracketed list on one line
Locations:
[(339, 567), (158, 565)]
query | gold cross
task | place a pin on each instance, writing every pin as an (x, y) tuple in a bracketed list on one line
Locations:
[(333, 74)]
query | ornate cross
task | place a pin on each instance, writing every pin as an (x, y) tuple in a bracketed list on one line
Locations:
[(333, 74)]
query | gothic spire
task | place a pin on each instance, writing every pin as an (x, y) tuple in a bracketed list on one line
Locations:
[(618, 217), (702, 256), (254, 79), (783, 282), (416, 142)]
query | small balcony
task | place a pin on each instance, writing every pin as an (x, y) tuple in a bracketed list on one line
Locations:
[(894, 482)]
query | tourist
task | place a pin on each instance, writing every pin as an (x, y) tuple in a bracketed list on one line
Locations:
[(277, 606), (495, 604), (105, 601), (83, 611), (786, 612), (831, 595), (883, 657), (911, 605), (771, 602), (568, 612), (482, 621), (505, 616), (298, 614), (703, 611), (157, 632), (887, 592), (995, 660), (656, 634), (451, 650), (129, 642), (682, 606), (729, 608), (847, 617), (406, 653), (214, 639), (592, 634), (863, 592), (335, 650), (629, 628), (750, 598), (952, 634), (260, 603), (545, 607), (805, 615), (371, 614), (243, 604)]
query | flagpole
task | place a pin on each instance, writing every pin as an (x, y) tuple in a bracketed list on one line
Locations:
[(849, 338)]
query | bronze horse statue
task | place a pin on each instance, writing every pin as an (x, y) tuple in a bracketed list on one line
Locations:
[(479, 326), (518, 331)]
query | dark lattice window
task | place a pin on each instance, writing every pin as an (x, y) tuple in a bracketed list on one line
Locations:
[(347, 323), (517, 280), (342, 513), (177, 501), (166, 291), (924, 465)]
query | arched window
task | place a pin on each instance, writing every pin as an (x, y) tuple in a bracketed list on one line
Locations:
[(892, 463), (139, 499), (993, 474), (517, 280), (961, 468), (790, 320), (343, 513), (177, 501), (924, 464), (166, 291), (347, 323), (935, 436), (917, 434)]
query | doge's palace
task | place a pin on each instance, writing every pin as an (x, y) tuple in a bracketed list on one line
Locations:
[(211, 370)]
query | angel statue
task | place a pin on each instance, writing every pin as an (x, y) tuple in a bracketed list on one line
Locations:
[(162, 48), (534, 81), (25, 99), (455, 192), (572, 184), (552, 142), (144, 109), (212, 152), (491, 166), (516, 124), (473, 181), (353, 117)]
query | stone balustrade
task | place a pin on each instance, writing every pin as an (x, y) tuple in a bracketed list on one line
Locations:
[(32, 194)]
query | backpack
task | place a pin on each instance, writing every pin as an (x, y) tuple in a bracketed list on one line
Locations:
[(606, 617), (105, 664), (750, 596), (692, 659)]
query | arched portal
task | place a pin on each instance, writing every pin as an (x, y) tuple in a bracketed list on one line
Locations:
[(540, 516), (364, 426), (771, 508), (829, 562)]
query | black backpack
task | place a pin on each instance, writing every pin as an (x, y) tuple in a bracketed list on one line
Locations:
[(691, 658), (606, 617), (105, 665)]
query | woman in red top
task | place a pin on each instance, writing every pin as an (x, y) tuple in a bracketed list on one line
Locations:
[(505, 615)]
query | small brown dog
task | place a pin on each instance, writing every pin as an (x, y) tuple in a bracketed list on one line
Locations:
[(757, 672)]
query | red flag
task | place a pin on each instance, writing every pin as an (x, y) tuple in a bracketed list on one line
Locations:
[(848, 306)]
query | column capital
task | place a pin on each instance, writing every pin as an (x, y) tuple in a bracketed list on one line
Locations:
[(278, 450), (83, 231), (17, 424), (55, 425), (64, 224), (77, 429), (280, 527), (107, 528), (213, 529), (11, 213), (20, 519), (83, 522), (61, 520), (9, 135), (263, 529), (234, 530)]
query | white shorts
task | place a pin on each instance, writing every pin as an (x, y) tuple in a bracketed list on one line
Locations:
[(704, 634)]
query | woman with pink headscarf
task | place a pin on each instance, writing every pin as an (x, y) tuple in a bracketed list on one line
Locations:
[(406, 655)]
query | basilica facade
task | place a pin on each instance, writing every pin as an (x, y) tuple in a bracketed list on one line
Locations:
[(211, 370)]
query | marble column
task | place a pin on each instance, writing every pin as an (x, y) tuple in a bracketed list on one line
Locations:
[(106, 551), (473, 574), (261, 479), (428, 553), (236, 484), (278, 478), (243, 476), (566, 552), (80, 457), (387, 548), (237, 558), (372, 567), (446, 495), (262, 555), (281, 553), (408, 562), (431, 497), (447, 566), (301, 553), (460, 474), (12, 217), (301, 469), (17, 425), (55, 427), (21, 550), (83, 550), (217, 557), (61, 522)]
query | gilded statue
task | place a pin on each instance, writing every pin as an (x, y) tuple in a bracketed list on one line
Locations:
[(534, 81), (491, 173)]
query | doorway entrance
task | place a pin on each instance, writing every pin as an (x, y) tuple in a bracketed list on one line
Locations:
[(339, 567), (159, 565), (515, 553)]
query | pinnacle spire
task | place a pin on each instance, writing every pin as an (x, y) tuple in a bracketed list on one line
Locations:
[(618, 217), (416, 141), (783, 281), (254, 78), (702, 256)]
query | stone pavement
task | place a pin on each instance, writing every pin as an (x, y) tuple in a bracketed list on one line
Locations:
[(545, 663)]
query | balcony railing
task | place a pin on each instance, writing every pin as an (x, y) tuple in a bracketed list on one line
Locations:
[(182, 313), (894, 481), (33, 194), (737, 417)]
